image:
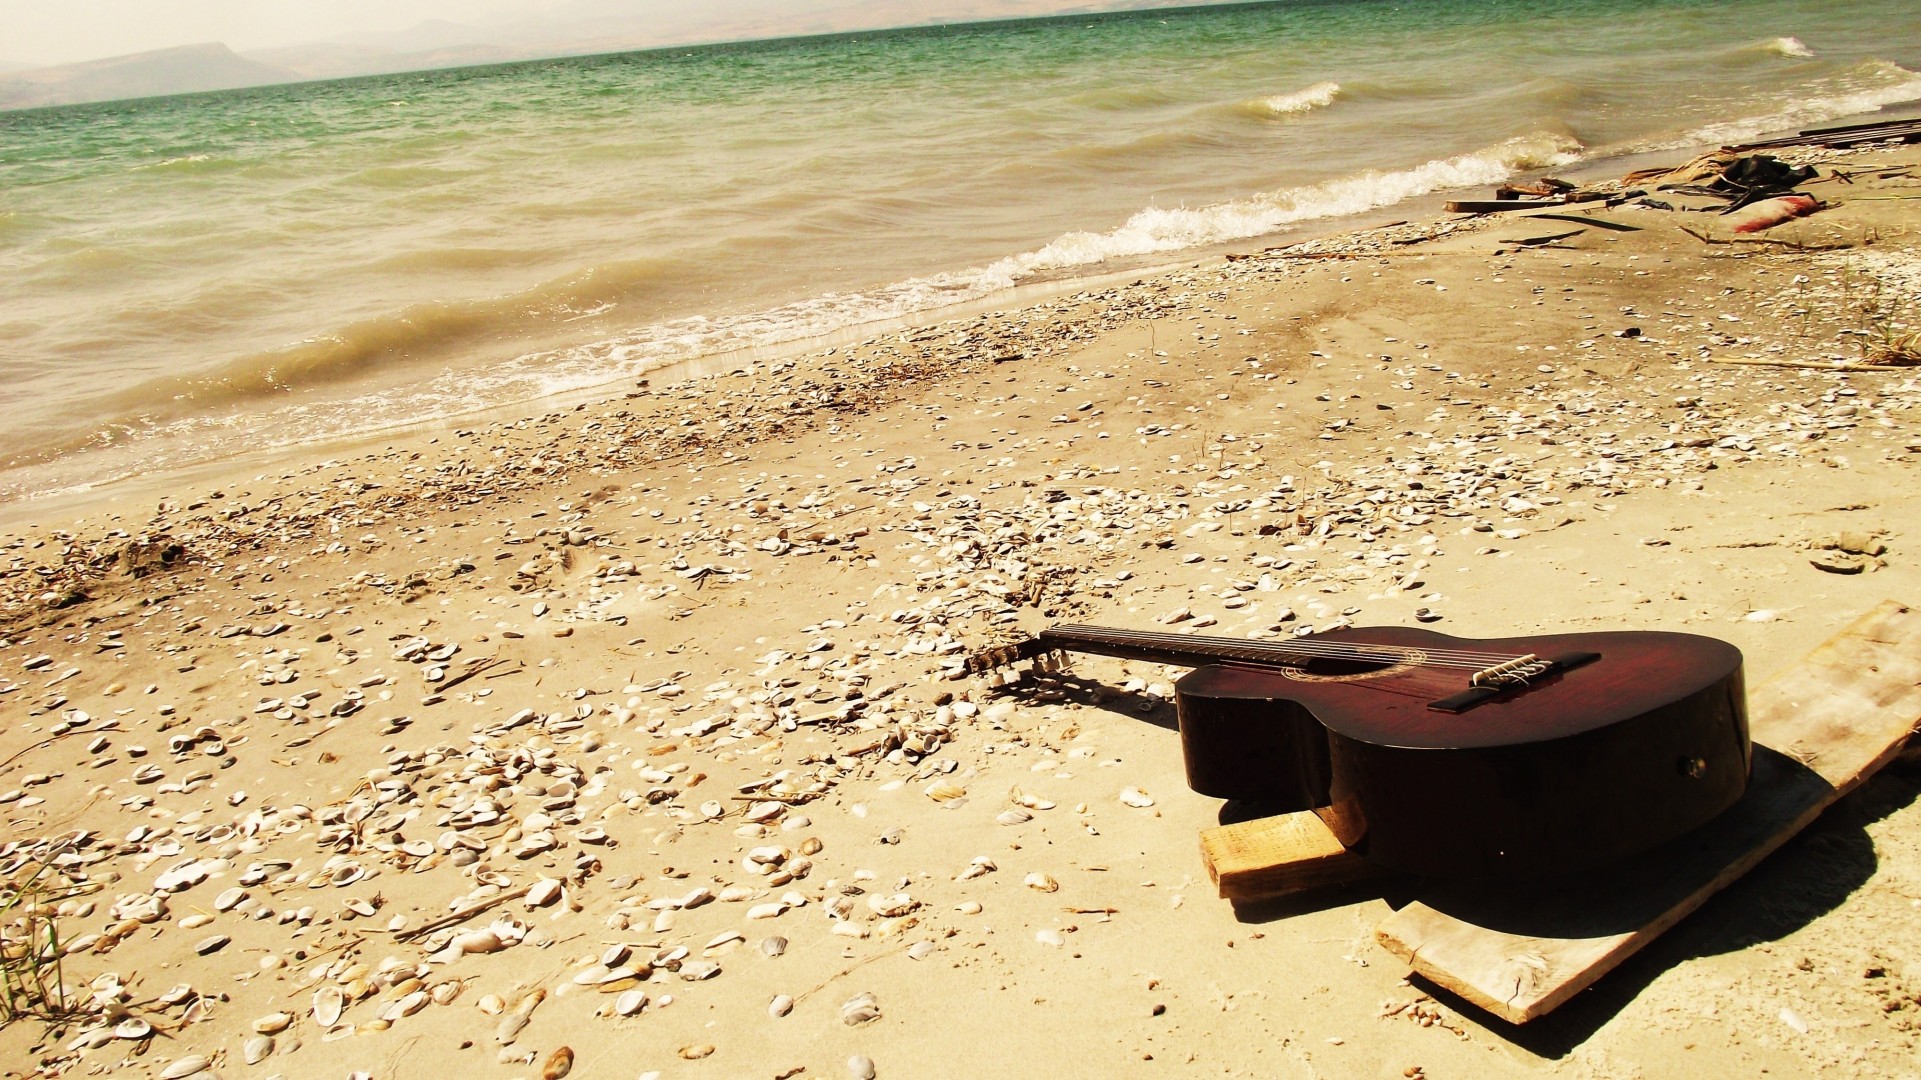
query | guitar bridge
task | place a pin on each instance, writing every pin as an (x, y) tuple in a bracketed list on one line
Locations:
[(1512, 675)]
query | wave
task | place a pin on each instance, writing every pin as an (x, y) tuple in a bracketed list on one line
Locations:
[(1851, 94), (190, 407), (1306, 100), (1157, 230), (1792, 47)]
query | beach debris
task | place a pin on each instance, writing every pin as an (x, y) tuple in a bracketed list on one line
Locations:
[(1768, 213)]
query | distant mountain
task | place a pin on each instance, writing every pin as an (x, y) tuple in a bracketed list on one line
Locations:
[(181, 70)]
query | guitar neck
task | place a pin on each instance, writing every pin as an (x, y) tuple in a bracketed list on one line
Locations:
[(1191, 650)]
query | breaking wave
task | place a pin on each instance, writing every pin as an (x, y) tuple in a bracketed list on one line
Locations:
[(1158, 230), (1865, 88), (1789, 47), (1319, 96)]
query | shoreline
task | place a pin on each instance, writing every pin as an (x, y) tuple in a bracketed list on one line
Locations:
[(59, 480), (680, 663)]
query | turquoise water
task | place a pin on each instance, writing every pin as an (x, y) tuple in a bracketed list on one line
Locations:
[(196, 276)]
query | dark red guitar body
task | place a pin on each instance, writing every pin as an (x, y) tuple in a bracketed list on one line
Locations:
[(1579, 768), (1634, 738)]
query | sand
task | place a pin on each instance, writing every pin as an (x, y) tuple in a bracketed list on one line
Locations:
[(680, 664)]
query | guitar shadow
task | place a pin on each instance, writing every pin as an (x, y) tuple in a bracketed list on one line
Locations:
[(1094, 694), (1811, 875)]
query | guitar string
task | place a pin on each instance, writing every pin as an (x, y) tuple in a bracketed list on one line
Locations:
[(1122, 637), (1191, 640), (1332, 650), (1281, 653)]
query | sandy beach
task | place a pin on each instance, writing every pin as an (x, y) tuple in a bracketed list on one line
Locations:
[(662, 691)]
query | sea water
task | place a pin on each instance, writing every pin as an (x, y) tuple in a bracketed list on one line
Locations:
[(195, 277)]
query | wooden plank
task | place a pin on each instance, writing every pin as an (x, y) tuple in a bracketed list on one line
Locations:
[(1500, 206), (1274, 856), (1834, 718)]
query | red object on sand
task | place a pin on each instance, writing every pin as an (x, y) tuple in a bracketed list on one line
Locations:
[(1771, 212)]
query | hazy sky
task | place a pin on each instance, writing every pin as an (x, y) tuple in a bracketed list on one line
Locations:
[(59, 31), (63, 31)]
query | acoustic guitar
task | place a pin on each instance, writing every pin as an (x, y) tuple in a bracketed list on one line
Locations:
[(1439, 755)]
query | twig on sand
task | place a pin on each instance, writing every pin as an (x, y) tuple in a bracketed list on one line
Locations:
[(1795, 245), (462, 915), (1814, 365), (848, 970)]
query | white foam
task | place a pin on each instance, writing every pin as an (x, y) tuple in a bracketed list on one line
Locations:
[(1318, 96), (1847, 100), (1157, 230), (1789, 46)]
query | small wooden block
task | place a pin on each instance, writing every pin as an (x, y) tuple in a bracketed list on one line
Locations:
[(1273, 856), (1835, 718)]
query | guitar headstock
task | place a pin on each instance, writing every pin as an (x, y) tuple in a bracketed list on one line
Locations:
[(995, 663), (1007, 655)]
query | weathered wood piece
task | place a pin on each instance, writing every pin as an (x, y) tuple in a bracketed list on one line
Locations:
[(1274, 856), (1500, 206), (1834, 719)]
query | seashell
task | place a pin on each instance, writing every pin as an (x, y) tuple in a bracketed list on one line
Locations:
[(1013, 816), (185, 1066), (477, 941), (257, 1048), (195, 921), (419, 849), (559, 1064), (630, 1002), (861, 1067), (980, 865), (360, 907), (945, 791), (328, 1002), (1134, 796), (444, 993), (209, 945), (614, 954), (226, 900), (773, 946), (491, 1004), (592, 975), (1042, 882), (780, 1006), (509, 1028), (697, 1051), (273, 1023), (132, 1028), (175, 995), (1032, 802), (859, 1009), (766, 911), (406, 1006), (346, 875), (543, 892), (892, 907)]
